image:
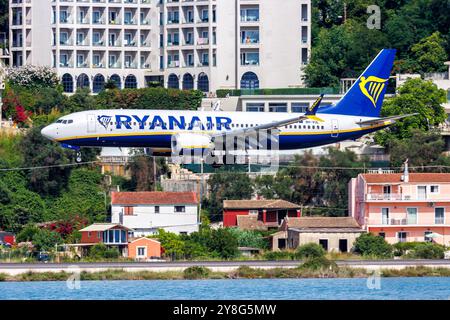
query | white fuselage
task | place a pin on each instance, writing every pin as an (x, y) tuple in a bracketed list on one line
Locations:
[(154, 128)]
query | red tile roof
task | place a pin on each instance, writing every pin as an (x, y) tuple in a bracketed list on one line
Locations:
[(322, 222), (157, 197), (259, 204), (413, 177)]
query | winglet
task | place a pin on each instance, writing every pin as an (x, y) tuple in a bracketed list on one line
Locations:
[(312, 110)]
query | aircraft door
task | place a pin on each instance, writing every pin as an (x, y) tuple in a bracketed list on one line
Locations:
[(334, 128), (91, 123)]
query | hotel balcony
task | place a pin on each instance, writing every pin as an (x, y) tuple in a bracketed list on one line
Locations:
[(402, 197), (404, 221)]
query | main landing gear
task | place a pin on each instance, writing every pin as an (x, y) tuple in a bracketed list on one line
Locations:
[(78, 157)]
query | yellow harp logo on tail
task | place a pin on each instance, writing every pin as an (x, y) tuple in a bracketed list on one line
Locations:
[(372, 88)]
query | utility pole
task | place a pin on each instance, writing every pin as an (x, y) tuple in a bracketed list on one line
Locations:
[(200, 191), (154, 174)]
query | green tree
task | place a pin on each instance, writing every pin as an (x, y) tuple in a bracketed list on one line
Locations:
[(335, 182), (342, 51), (414, 96), (40, 152), (431, 143), (45, 240), (249, 238), (143, 169), (224, 243), (27, 233), (429, 54), (226, 186), (368, 244)]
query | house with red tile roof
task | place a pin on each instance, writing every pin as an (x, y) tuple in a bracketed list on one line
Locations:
[(403, 207), (258, 214), (146, 212)]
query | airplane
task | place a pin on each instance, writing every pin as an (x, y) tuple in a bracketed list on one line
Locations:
[(166, 132)]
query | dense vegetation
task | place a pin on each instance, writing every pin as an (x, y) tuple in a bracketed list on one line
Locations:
[(343, 45)]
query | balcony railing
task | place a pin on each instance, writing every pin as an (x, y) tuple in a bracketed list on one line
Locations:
[(393, 222), (401, 197)]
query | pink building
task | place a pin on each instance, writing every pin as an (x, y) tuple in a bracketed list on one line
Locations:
[(403, 207)]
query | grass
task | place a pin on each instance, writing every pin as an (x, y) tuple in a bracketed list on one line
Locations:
[(243, 272)]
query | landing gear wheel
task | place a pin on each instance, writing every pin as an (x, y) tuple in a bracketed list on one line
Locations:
[(78, 158)]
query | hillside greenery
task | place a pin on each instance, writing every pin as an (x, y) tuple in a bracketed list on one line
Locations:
[(343, 45)]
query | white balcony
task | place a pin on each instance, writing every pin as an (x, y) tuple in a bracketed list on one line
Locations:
[(402, 197)]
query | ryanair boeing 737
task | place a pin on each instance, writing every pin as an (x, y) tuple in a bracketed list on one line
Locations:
[(167, 132)]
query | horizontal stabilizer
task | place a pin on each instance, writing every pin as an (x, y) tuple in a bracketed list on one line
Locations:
[(386, 121)]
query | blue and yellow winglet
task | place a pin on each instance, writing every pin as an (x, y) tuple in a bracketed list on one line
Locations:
[(312, 110)]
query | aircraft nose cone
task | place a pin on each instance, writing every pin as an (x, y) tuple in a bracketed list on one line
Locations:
[(47, 132)]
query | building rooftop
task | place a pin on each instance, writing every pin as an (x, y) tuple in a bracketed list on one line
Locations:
[(102, 227), (413, 177), (259, 204), (153, 198), (322, 223), (250, 223)]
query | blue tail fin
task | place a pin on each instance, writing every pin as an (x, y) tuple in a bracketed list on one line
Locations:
[(366, 95)]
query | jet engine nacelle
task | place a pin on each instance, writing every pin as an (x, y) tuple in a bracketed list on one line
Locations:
[(191, 144)]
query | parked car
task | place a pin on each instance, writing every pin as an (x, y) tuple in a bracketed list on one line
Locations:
[(43, 257)]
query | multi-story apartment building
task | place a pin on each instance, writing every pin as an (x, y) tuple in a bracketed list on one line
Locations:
[(403, 207), (200, 44)]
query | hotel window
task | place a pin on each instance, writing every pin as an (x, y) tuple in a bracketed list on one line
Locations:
[(96, 17), (426, 236), (412, 215), (128, 211), (156, 209), (99, 235), (63, 38), (89, 234), (96, 60), (439, 215), (434, 189), (384, 215), (401, 236), (180, 209), (63, 16), (255, 107), (205, 16), (382, 234), (299, 107), (277, 107)]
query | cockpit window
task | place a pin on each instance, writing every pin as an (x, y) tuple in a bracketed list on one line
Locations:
[(64, 121)]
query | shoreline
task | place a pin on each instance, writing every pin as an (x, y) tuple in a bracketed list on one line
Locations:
[(241, 272)]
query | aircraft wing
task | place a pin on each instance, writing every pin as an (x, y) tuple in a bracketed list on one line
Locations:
[(309, 114), (386, 120)]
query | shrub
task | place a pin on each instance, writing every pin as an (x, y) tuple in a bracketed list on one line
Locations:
[(101, 251), (428, 250), (310, 250), (368, 244), (402, 248), (248, 272), (33, 76), (318, 263), (45, 240), (224, 243), (278, 255), (196, 272), (2, 277)]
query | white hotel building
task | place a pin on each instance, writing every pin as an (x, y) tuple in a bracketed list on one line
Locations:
[(200, 44)]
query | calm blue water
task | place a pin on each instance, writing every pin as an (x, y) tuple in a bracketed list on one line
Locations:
[(279, 289)]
